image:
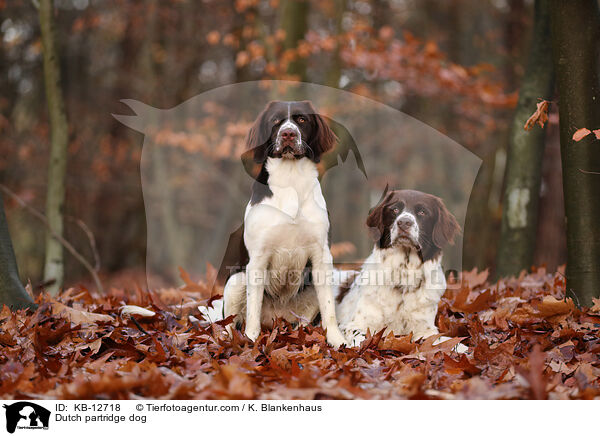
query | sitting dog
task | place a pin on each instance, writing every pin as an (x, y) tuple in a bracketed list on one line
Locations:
[(401, 282), (286, 225)]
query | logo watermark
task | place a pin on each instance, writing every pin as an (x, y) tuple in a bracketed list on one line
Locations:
[(25, 415)]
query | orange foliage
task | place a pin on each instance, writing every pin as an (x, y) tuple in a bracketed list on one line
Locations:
[(525, 340)]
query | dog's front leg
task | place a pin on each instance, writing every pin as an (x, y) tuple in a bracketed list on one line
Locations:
[(322, 276), (234, 299), (433, 289), (255, 288)]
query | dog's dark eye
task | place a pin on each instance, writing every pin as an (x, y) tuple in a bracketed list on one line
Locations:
[(301, 119), (396, 210), (422, 212), (276, 121)]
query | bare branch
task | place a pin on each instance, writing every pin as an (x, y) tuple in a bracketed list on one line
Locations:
[(40, 216), (91, 240)]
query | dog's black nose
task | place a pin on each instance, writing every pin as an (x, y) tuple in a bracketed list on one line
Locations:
[(405, 223), (288, 135)]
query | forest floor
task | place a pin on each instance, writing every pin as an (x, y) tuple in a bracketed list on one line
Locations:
[(525, 339)]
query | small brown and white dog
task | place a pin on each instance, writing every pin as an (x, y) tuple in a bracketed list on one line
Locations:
[(286, 224), (402, 281)]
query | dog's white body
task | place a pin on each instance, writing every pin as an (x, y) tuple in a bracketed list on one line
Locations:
[(394, 290), (282, 233)]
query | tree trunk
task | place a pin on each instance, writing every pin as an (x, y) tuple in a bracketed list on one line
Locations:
[(338, 184), (481, 227), (12, 292), (523, 173), (294, 20), (575, 26), (55, 199), (551, 245), (335, 69)]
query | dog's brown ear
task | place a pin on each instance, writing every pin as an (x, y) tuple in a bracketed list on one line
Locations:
[(446, 227), (375, 218), (258, 136), (324, 137)]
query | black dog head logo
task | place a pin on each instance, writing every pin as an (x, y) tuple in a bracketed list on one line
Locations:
[(26, 414)]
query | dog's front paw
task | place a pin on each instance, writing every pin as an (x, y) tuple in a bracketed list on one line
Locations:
[(252, 333), (335, 338)]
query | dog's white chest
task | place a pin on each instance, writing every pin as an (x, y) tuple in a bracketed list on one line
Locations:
[(394, 290), (289, 225), (296, 210)]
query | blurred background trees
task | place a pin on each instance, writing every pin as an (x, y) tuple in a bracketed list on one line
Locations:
[(455, 65)]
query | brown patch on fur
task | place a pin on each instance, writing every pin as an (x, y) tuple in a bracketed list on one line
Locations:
[(375, 218), (324, 139), (437, 226), (346, 285), (446, 227)]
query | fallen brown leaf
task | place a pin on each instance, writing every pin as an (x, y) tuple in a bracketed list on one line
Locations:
[(539, 117), (580, 134), (79, 316)]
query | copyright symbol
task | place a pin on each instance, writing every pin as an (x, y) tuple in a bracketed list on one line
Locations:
[(139, 407)]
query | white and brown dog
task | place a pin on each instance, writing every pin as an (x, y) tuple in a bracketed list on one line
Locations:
[(401, 282), (286, 225)]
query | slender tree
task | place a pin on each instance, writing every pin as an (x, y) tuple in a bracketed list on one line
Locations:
[(59, 133), (525, 150), (294, 20), (338, 184), (575, 27), (12, 292)]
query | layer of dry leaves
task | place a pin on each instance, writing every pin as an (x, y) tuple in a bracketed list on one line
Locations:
[(525, 341)]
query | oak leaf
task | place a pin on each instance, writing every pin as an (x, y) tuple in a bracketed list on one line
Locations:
[(539, 117), (580, 134), (79, 316)]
